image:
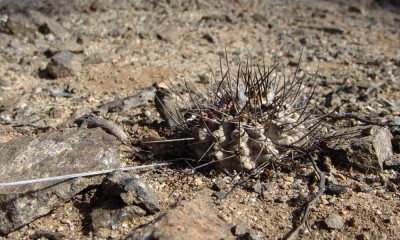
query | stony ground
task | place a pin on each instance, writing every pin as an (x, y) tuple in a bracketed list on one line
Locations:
[(109, 50)]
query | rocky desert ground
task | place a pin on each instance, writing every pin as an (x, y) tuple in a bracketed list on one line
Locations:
[(78, 81)]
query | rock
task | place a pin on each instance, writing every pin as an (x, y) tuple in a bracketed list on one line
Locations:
[(46, 235), (41, 45), (364, 148), (354, 9), (392, 162), (192, 219), (241, 229), (67, 151), (112, 212), (363, 188), (220, 195), (332, 99), (210, 38), (334, 221), (257, 187), (396, 138), (243, 232), (133, 190), (203, 79), (19, 24), (18, 46), (100, 5), (336, 189), (64, 64), (48, 25), (219, 185), (282, 199), (169, 34), (5, 84)]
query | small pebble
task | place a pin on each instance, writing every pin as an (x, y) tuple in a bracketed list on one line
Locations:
[(334, 221), (363, 188), (282, 199)]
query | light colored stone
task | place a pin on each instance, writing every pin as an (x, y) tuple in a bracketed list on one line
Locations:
[(334, 221), (67, 151)]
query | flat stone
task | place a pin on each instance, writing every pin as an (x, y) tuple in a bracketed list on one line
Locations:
[(364, 148), (56, 153), (194, 219), (334, 221), (64, 64)]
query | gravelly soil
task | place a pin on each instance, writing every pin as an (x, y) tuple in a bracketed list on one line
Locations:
[(126, 46)]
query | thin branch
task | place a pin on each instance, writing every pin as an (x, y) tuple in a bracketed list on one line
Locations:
[(84, 174)]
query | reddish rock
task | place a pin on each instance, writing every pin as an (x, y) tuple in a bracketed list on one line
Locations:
[(194, 219)]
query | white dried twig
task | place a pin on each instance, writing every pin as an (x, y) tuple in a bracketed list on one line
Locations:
[(76, 175)]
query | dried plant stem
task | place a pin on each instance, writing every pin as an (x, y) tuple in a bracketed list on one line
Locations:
[(76, 175), (105, 125), (293, 235)]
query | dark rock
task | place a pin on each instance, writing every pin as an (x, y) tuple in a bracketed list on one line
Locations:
[(112, 212), (334, 221), (354, 9), (194, 219), (100, 5), (46, 235), (210, 38), (333, 100), (48, 25), (336, 189), (204, 79), (363, 188), (64, 64), (55, 112), (396, 138), (259, 17), (56, 153), (365, 148), (392, 162), (132, 190)]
